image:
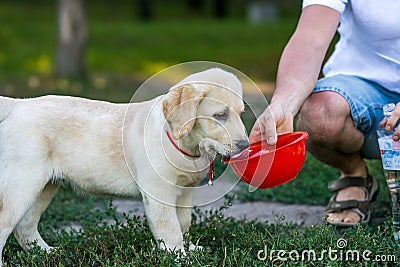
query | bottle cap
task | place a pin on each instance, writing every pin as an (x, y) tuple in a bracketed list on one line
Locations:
[(388, 109)]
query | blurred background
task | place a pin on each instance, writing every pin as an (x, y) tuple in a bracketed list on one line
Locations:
[(106, 49)]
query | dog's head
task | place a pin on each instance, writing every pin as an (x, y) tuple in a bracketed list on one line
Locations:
[(203, 111)]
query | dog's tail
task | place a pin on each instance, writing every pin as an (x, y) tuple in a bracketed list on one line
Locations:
[(6, 105)]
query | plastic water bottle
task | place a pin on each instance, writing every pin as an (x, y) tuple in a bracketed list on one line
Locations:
[(390, 154)]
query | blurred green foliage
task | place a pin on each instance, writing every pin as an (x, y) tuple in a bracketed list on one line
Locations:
[(118, 42)]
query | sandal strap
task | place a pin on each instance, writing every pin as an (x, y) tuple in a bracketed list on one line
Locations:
[(346, 182), (336, 206), (360, 207)]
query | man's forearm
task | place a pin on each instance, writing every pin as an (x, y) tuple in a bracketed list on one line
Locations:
[(302, 58)]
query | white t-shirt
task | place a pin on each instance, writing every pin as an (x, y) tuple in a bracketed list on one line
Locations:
[(369, 44)]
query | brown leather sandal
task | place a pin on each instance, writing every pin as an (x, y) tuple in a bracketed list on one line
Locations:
[(361, 207)]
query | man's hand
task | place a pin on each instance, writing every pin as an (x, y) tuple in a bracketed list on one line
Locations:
[(390, 123), (270, 123)]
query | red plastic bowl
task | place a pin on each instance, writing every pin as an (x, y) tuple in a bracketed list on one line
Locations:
[(262, 168)]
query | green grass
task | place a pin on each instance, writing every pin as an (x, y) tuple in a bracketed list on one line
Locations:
[(311, 183), (121, 53), (227, 242)]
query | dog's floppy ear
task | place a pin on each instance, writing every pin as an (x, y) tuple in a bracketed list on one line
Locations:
[(180, 108)]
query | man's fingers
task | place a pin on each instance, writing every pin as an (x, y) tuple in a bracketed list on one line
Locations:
[(259, 132), (255, 134)]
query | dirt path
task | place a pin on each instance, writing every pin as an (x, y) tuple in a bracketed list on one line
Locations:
[(263, 211), (209, 197)]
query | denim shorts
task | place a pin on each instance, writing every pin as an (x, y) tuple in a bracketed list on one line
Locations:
[(365, 99)]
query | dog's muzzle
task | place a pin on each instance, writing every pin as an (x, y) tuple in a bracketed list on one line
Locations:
[(242, 145), (239, 147)]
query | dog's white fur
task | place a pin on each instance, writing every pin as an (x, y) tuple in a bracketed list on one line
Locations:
[(48, 139)]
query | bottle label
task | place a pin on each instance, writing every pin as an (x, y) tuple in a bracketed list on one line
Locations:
[(390, 153)]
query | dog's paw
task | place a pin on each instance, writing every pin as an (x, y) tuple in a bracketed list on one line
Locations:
[(52, 249), (195, 247), (179, 250), (211, 148)]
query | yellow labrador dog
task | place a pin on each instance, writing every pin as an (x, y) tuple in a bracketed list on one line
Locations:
[(155, 149)]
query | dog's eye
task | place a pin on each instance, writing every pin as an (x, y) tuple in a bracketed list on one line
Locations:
[(222, 116)]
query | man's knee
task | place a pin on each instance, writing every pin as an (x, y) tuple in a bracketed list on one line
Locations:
[(323, 116)]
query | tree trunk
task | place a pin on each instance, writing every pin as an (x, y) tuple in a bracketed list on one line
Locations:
[(145, 9), (220, 8), (70, 57)]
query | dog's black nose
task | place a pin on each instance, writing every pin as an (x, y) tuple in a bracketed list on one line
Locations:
[(242, 144)]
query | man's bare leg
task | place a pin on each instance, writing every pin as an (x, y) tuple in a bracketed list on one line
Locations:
[(334, 140)]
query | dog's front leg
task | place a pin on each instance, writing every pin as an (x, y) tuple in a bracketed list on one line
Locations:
[(184, 209), (184, 212), (164, 223)]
